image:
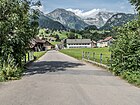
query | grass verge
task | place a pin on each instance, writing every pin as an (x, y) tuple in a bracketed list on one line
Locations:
[(77, 53), (39, 54)]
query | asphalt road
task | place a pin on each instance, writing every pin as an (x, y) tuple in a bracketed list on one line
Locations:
[(57, 79)]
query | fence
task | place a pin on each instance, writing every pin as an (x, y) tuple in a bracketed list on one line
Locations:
[(100, 58), (133, 60), (28, 57)]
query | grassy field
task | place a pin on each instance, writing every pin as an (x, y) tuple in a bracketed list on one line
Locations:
[(54, 43), (39, 54), (77, 53)]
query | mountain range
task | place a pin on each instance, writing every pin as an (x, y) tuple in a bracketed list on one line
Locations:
[(118, 20), (62, 19), (46, 22), (67, 18), (93, 17)]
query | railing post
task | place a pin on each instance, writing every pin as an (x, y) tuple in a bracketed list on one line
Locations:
[(94, 56), (88, 55), (25, 58), (83, 55), (28, 56), (101, 58), (111, 59)]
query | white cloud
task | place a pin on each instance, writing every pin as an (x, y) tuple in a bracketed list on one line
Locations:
[(41, 8), (86, 14)]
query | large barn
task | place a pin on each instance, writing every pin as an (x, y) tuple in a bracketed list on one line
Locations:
[(78, 43)]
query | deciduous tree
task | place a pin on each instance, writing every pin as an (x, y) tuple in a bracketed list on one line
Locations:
[(18, 25)]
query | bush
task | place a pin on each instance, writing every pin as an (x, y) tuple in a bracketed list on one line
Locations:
[(132, 77), (10, 71), (126, 52)]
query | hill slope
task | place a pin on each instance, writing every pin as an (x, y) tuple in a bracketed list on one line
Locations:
[(118, 20)]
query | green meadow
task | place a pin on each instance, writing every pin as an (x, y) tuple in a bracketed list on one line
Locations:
[(77, 53)]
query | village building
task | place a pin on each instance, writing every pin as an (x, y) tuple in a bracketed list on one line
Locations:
[(93, 44), (105, 43), (78, 43), (38, 44)]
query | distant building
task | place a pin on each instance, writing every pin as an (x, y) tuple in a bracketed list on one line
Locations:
[(78, 43), (93, 44), (105, 43), (38, 44)]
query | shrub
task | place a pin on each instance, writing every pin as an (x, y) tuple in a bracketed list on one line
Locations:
[(132, 77), (126, 49), (126, 52), (10, 71)]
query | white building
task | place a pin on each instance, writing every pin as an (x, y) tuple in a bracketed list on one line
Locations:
[(78, 43), (105, 43)]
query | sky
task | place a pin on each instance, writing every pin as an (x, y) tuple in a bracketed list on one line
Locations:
[(87, 5)]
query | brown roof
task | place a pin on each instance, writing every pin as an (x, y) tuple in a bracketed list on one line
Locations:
[(93, 41), (38, 40), (100, 41), (108, 38), (105, 40)]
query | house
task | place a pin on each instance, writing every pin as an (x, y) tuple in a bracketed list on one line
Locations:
[(93, 44), (38, 44), (78, 43), (105, 43)]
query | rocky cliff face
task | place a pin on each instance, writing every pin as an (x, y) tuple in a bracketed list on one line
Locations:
[(45, 22), (67, 18), (99, 19)]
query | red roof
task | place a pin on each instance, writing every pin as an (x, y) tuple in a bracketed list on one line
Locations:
[(108, 38), (105, 40)]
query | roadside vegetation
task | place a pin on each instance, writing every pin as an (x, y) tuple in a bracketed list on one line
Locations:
[(18, 25), (126, 50), (39, 54), (126, 53)]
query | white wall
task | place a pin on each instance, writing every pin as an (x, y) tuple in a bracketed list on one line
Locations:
[(78, 46), (102, 44)]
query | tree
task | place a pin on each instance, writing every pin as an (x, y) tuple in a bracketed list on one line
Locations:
[(72, 35), (126, 52), (18, 25), (136, 3), (57, 37)]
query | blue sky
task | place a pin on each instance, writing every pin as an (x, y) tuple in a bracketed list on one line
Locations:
[(86, 5)]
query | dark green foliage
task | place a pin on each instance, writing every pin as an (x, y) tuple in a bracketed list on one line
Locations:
[(18, 25), (72, 35), (94, 34), (126, 52), (57, 37), (136, 3), (91, 27)]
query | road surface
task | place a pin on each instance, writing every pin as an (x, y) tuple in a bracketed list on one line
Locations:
[(57, 79)]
